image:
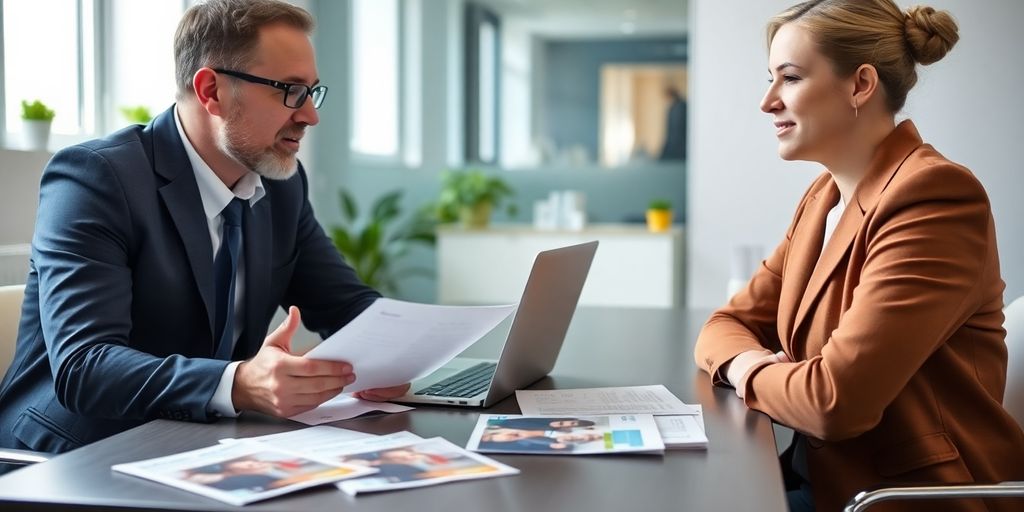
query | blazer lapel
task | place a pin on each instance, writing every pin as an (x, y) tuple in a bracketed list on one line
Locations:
[(258, 240), (891, 154), (181, 198), (805, 246)]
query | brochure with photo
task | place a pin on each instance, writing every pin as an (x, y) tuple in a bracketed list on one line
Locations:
[(421, 463), (568, 435), (241, 472)]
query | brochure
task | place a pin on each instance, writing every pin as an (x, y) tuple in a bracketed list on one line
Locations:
[(571, 435), (405, 464), (241, 472)]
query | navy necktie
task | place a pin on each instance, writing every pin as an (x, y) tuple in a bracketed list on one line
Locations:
[(225, 267)]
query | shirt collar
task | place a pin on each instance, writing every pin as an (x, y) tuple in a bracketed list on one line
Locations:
[(213, 192)]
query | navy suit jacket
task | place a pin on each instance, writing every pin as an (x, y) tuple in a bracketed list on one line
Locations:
[(117, 323)]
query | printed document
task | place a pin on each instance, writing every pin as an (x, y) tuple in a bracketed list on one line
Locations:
[(657, 400), (394, 342)]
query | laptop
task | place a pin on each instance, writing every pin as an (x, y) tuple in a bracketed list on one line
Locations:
[(533, 342)]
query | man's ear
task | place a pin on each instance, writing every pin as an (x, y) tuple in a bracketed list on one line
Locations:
[(208, 91), (865, 85)]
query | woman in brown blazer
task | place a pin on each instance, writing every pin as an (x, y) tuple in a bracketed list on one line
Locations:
[(875, 328)]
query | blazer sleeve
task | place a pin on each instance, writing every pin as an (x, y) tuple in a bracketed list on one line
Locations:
[(323, 286), (81, 251), (928, 245), (750, 320)]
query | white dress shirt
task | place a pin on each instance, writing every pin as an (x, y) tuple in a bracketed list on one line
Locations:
[(216, 196)]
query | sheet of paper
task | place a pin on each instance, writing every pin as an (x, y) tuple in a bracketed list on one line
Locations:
[(657, 400), (394, 342), (683, 431), (307, 439), (343, 407)]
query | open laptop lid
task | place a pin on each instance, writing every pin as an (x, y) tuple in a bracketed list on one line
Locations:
[(542, 318)]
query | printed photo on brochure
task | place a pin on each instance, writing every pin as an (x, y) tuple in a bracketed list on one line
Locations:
[(572, 435)]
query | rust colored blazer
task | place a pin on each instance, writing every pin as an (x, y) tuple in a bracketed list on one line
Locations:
[(896, 333)]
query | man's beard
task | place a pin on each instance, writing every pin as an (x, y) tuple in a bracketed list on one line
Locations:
[(263, 161)]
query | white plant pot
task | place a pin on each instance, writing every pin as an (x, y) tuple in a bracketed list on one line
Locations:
[(36, 134)]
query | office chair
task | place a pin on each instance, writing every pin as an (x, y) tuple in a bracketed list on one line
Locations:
[(1013, 401), (10, 315)]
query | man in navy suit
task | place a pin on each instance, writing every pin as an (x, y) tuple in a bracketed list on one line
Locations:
[(161, 252)]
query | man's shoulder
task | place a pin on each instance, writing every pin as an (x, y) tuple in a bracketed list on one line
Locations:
[(131, 135)]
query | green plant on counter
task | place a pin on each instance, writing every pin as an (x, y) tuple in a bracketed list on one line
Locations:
[(138, 114), (372, 246), (36, 111), (659, 204), (470, 196)]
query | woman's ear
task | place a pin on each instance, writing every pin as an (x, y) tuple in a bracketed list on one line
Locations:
[(865, 85)]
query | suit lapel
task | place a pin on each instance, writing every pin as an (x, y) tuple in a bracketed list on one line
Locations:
[(891, 154), (258, 240), (180, 196)]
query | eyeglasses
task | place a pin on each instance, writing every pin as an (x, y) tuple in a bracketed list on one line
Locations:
[(295, 95)]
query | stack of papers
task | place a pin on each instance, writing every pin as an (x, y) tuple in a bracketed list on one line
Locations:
[(681, 425), (241, 471)]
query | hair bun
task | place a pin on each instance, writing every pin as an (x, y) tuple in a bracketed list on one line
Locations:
[(930, 33)]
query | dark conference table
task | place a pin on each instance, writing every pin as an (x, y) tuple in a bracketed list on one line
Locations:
[(604, 347)]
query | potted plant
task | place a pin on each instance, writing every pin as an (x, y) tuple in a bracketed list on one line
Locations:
[(138, 114), (373, 245), (37, 118), (659, 215), (470, 196)]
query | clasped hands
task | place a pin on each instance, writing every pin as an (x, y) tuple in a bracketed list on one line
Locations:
[(277, 382), (739, 369)]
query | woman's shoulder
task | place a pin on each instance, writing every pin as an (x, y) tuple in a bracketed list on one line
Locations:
[(927, 173)]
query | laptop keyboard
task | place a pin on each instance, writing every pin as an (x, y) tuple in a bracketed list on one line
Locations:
[(466, 383)]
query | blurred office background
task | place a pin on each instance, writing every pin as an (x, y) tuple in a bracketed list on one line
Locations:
[(550, 96)]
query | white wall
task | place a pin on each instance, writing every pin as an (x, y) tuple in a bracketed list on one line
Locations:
[(19, 193), (968, 105)]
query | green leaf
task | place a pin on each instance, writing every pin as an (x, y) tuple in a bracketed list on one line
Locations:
[(349, 209)]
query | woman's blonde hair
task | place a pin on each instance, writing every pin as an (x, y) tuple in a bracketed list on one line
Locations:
[(854, 32)]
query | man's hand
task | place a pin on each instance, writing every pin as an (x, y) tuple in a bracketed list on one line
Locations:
[(739, 368), (383, 394), (279, 383)]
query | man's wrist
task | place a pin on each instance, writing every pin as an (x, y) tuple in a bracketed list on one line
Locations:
[(223, 402)]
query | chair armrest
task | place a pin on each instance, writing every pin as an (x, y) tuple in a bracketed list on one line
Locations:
[(865, 499), (22, 457)]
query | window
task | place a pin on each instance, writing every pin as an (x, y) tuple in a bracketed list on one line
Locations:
[(140, 48), (45, 52), (386, 88), (58, 61), (375, 65)]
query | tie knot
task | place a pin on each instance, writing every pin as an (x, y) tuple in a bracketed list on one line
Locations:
[(232, 213)]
